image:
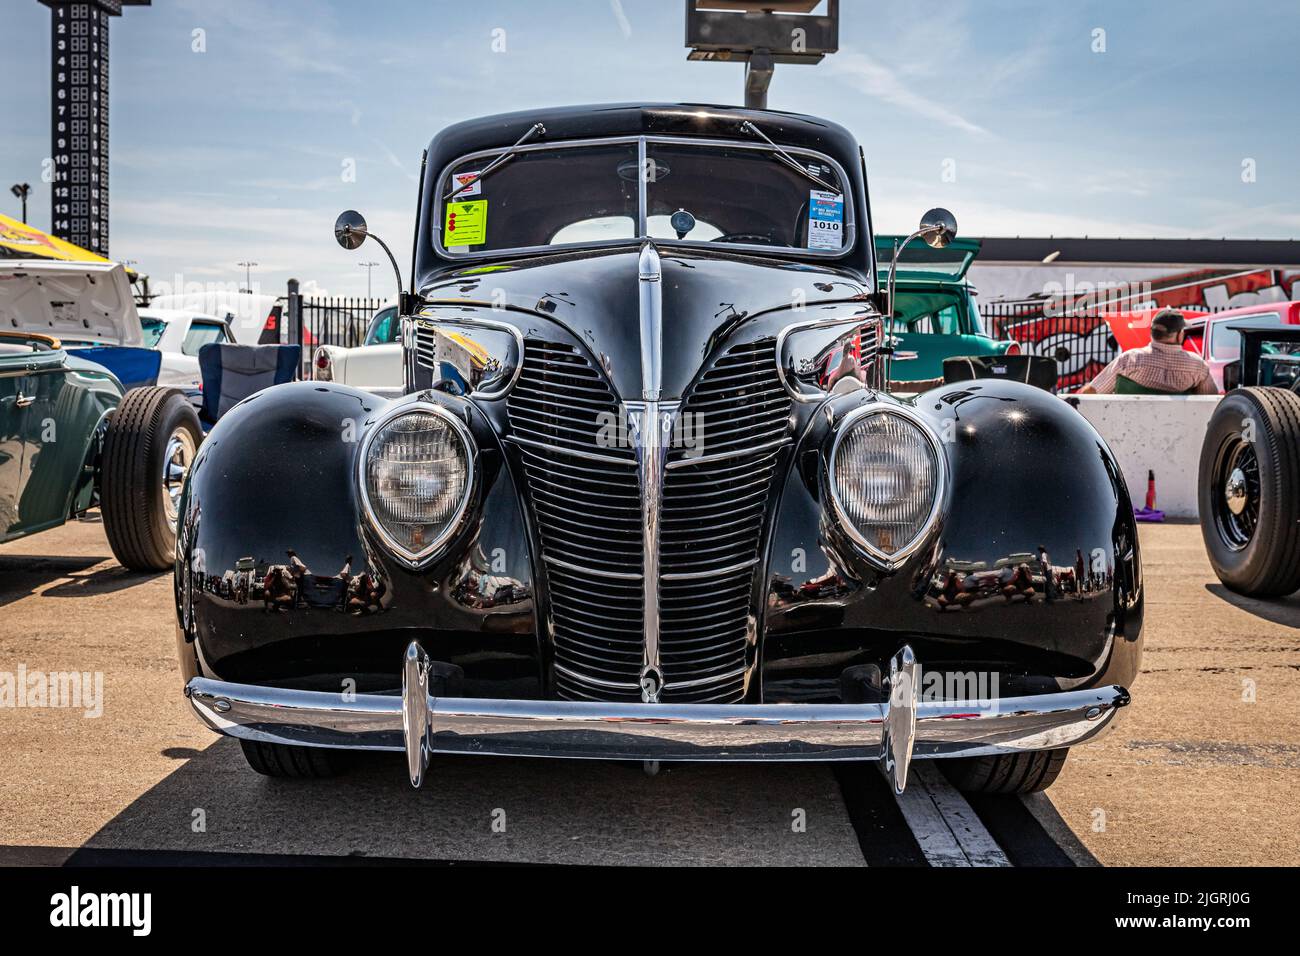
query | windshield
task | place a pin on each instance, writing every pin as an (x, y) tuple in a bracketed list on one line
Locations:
[(153, 331), (1225, 342), (384, 327), (713, 193)]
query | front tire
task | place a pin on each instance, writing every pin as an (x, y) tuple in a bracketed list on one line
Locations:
[(1025, 772), (294, 763), (150, 445), (1249, 491)]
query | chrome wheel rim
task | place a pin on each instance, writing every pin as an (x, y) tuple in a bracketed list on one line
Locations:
[(177, 459), (1236, 494)]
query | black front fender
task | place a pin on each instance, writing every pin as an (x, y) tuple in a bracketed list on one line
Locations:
[(282, 580), (1031, 570)]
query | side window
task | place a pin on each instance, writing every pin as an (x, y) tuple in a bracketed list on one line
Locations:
[(201, 334), (947, 321)]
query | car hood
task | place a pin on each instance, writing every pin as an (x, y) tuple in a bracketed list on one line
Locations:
[(595, 296), (80, 302)]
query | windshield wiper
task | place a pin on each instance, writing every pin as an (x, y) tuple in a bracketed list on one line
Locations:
[(537, 129), (747, 127)]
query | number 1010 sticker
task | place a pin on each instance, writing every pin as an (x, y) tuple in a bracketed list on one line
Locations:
[(825, 220)]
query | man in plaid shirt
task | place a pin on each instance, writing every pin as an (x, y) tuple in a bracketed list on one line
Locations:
[(1163, 366)]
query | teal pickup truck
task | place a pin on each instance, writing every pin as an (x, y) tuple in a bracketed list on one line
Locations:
[(936, 317)]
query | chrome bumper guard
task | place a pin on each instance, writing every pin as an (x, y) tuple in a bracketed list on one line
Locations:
[(893, 732)]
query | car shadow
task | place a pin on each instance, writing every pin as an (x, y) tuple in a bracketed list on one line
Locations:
[(103, 581), (23, 574), (1284, 610), (491, 810)]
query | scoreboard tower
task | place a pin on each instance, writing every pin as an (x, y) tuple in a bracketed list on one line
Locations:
[(79, 118)]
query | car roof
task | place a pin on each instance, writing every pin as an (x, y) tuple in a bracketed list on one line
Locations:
[(172, 315), (1291, 309), (606, 120), (634, 119), (921, 263)]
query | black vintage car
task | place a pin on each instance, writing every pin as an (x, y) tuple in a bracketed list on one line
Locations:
[(645, 497)]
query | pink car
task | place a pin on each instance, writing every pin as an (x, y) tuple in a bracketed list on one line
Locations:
[(1209, 336)]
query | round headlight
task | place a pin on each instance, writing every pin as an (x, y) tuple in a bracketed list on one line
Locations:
[(415, 479), (886, 479)]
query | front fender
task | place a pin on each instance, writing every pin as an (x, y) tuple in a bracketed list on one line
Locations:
[(280, 580), (1031, 571)]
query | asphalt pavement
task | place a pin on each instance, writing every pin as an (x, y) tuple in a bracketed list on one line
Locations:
[(1202, 770)]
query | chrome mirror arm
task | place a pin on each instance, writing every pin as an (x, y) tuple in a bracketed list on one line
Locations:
[(938, 228)]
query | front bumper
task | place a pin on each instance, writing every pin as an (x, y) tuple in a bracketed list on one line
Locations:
[(421, 724)]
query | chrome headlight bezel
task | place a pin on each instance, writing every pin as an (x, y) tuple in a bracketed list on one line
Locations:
[(887, 561), (409, 558)]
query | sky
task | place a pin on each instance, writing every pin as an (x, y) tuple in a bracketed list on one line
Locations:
[(240, 128)]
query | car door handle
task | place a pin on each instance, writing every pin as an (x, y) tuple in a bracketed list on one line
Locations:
[(22, 401)]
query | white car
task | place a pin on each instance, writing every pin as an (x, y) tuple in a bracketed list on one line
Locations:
[(253, 318), (179, 334), (375, 365), (89, 304)]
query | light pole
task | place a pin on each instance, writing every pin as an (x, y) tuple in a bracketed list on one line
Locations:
[(248, 268), (368, 266), (22, 191)]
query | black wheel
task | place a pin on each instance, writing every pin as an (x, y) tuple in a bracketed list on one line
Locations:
[(1026, 772), (1249, 491), (294, 763), (150, 445)]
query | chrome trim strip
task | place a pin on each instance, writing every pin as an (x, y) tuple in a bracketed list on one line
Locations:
[(595, 681), (850, 212), (704, 681), (652, 455), (723, 455), (635, 731), (487, 324), (713, 573), (616, 575), (815, 324), (415, 559), (560, 449), (888, 562)]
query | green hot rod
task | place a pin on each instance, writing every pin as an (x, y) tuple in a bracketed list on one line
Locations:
[(71, 436)]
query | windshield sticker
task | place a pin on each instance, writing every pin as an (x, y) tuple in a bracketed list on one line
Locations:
[(459, 187), (466, 223), (825, 220)]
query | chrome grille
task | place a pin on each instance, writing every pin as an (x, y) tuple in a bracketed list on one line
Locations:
[(715, 503), (587, 503)]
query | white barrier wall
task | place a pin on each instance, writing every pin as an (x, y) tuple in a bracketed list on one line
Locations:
[(1162, 433)]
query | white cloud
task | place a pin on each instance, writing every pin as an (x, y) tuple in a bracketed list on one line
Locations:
[(879, 81)]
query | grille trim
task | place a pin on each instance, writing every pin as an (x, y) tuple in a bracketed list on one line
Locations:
[(586, 502)]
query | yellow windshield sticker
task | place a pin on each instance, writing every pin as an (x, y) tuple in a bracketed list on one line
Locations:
[(466, 223)]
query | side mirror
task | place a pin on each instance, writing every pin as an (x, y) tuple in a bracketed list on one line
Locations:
[(350, 229), (938, 227)]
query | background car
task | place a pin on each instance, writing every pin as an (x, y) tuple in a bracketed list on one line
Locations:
[(1249, 476), (375, 365), (1211, 336), (936, 316), (71, 438), (254, 318), (179, 334)]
